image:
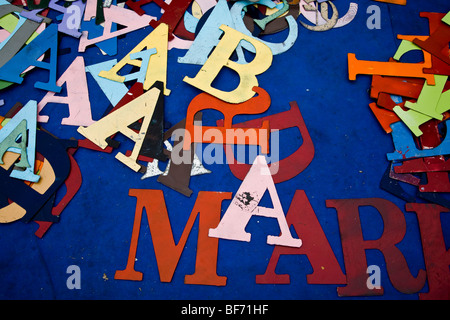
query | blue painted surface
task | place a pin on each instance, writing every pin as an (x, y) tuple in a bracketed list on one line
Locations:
[(350, 158)]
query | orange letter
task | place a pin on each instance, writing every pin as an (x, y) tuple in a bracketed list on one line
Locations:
[(207, 207)]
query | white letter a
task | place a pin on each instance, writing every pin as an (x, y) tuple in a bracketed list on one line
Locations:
[(245, 204), (373, 22)]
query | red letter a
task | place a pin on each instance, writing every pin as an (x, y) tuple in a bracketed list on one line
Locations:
[(326, 269)]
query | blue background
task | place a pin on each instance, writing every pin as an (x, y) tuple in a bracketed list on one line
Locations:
[(350, 158)]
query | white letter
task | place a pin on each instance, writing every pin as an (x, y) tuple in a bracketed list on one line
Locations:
[(245, 204), (373, 22), (373, 282), (74, 281)]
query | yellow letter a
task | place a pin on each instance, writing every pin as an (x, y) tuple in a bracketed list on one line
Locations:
[(157, 65), (119, 120)]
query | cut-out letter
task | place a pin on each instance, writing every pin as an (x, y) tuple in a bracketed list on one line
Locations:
[(220, 58), (245, 205)]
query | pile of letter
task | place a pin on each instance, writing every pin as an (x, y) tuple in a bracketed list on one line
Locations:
[(36, 164), (412, 103), (411, 98)]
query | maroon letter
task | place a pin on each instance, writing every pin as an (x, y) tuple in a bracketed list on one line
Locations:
[(437, 257), (354, 246), (326, 269)]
